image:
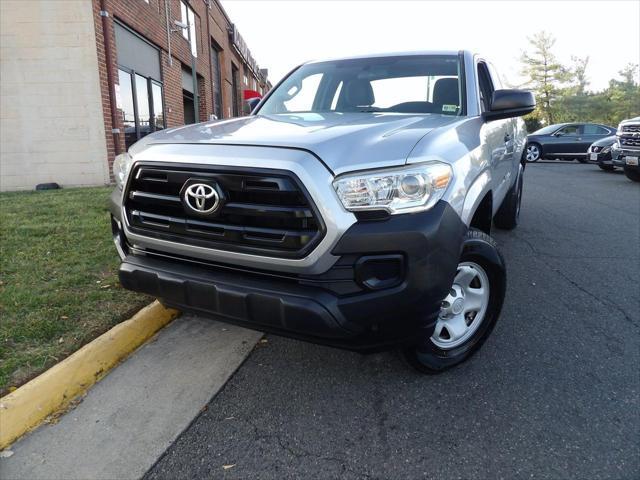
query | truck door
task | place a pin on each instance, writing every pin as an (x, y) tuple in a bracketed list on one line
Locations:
[(499, 138)]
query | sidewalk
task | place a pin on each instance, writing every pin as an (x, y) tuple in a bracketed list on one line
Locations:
[(132, 416)]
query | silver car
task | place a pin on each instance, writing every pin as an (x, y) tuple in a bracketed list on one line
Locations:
[(352, 208)]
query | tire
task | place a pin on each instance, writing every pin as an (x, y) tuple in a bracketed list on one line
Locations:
[(582, 159), (436, 354), (508, 214), (607, 168), (533, 152), (632, 174)]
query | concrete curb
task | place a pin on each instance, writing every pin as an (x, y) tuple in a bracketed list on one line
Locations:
[(29, 405)]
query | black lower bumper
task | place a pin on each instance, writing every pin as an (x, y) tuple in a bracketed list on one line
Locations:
[(375, 316)]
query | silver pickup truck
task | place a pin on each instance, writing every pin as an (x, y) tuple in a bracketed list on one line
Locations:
[(625, 152), (352, 208)]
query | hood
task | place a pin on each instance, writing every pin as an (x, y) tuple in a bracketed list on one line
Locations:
[(341, 140), (605, 142)]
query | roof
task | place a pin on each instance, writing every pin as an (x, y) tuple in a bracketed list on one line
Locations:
[(391, 54)]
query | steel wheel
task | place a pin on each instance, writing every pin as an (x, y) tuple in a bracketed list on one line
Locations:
[(533, 153), (464, 309)]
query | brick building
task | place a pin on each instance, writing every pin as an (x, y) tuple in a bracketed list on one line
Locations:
[(84, 79)]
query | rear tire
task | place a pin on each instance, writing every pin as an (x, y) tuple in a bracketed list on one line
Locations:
[(483, 266), (508, 214), (632, 174), (607, 168)]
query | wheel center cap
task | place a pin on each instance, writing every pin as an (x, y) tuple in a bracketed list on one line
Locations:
[(457, 306)]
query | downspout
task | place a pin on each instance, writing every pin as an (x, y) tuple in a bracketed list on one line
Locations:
[(110, 85), (167, 14), (213, 96)]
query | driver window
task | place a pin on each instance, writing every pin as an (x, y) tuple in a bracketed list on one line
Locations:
[(303, 95), (569, 131)]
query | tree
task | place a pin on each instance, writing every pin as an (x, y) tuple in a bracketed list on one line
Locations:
[(546, 75)]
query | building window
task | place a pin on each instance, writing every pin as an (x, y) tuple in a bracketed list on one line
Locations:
[(245, 80), (217, 81), (140, 105), (188, 17)]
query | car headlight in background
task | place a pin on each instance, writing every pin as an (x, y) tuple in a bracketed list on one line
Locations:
[(399, 190), (121, 166)]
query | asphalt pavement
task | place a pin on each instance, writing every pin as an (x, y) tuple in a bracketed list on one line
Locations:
[(554, 393)]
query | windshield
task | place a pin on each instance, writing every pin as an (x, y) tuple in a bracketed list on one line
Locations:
[(405, 84)]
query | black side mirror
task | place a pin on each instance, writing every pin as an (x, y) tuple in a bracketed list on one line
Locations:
[(253, 103), (510, 103)]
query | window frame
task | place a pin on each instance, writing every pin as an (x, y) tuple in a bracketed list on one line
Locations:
[(134, 93), (185, 8)]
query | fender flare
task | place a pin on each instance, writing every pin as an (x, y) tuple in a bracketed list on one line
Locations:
[(475, 193)]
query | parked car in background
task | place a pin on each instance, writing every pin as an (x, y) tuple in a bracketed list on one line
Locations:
[(567, 141), (627, 148), (600, 153)]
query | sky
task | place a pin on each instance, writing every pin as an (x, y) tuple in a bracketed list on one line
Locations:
[(281, 34)]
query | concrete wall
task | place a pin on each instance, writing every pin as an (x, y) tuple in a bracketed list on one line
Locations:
[(51, 118)]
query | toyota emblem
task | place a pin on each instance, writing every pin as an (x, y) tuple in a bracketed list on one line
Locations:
[(201, 198)]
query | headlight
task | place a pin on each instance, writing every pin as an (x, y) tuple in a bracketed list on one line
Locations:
[(121, 166), (400, 190)]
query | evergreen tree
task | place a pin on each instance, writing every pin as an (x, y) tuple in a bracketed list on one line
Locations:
[(546, 75)]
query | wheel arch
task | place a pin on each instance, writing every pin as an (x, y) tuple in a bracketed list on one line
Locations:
[(477, 211)]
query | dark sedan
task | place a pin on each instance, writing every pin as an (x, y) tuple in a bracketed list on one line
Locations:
[(600, 153), (566, 141)]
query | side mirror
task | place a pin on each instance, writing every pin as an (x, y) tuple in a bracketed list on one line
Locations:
[(253, 103), (510, 103)]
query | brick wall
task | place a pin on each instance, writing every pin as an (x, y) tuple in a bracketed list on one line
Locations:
[(149, 21)]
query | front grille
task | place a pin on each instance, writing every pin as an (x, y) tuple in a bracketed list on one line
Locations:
[(629, 141), (265, 212), (631, 128), (595, 149)]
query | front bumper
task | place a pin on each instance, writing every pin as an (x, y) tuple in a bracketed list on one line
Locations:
[(601, 159), (620, 159), (340, 307)]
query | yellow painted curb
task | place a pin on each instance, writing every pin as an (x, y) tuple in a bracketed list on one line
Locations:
[(24, 408)]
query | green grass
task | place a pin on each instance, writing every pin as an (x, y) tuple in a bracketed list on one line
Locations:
[(58, 278)]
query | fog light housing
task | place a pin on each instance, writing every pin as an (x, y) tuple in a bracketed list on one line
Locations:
[(376, 272)]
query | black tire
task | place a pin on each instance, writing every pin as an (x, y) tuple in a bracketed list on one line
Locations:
[(607, 168), (528, 157), (582, 160), (632, 174), (508, 214), (426, 356)]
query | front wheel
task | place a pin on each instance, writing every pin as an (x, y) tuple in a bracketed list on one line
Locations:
[(470, 310), (534, 152), (606, 168), (632, 173)]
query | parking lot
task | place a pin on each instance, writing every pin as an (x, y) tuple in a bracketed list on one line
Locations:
[(554, 393)]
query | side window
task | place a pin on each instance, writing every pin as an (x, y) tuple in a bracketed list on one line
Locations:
[(569, 131), (595, 130), (486, 86)]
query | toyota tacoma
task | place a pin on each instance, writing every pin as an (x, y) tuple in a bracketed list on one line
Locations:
[(626, 149), (351, 208)]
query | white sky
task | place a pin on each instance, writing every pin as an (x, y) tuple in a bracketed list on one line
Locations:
[(283, 34)]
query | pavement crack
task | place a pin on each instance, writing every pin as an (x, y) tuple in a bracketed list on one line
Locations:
[(603, 301)]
